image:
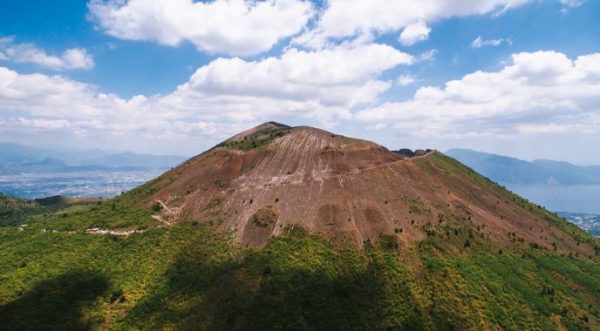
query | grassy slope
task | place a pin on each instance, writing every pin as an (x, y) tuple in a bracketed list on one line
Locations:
[(188, 276), (15, 211)]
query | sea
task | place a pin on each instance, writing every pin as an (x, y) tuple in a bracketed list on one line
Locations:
[(559, 198)]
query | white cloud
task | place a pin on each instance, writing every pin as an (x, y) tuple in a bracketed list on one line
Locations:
[(219, 98), (41, 124), (378, 126), (74, 58), (572, 3), (349, 18), (480, 42), (414, 33), (428, 55), (235, 27), (320, 83), (405, 80), (541, 92)]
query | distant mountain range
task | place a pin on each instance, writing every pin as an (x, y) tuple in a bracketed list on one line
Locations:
[(508, 170), (18, 159)]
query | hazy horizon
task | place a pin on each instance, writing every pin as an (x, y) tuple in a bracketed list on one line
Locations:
[(117, 151)]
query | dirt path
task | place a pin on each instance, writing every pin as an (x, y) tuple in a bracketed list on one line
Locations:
[(165, 207), (420, 156), (379, 166), (95, 231), (329, 176), (167, 210), (158, 218), (113, 232)]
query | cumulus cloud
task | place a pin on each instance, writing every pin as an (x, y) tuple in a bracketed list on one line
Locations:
[(235, 27), (348, 18), (53, 106), (74, 58), (480, 42), (319, 84), (222, 96), (414, 33), (540, 92)]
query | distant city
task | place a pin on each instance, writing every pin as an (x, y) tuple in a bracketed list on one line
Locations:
[(588, 222), (29, 172), (103, 184)]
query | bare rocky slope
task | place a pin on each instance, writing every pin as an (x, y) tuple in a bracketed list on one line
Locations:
[(271, 177)]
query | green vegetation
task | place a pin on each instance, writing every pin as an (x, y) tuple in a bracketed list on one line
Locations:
[(123, 212), (256, 140), (14, 211), (188, 276)]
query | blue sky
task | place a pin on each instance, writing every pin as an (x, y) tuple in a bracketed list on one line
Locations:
[(174, 77)]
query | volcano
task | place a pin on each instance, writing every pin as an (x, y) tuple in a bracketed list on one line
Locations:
[(259, 183), (297, 228)]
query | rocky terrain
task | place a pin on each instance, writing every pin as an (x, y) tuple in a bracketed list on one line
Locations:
[(271, 177)]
